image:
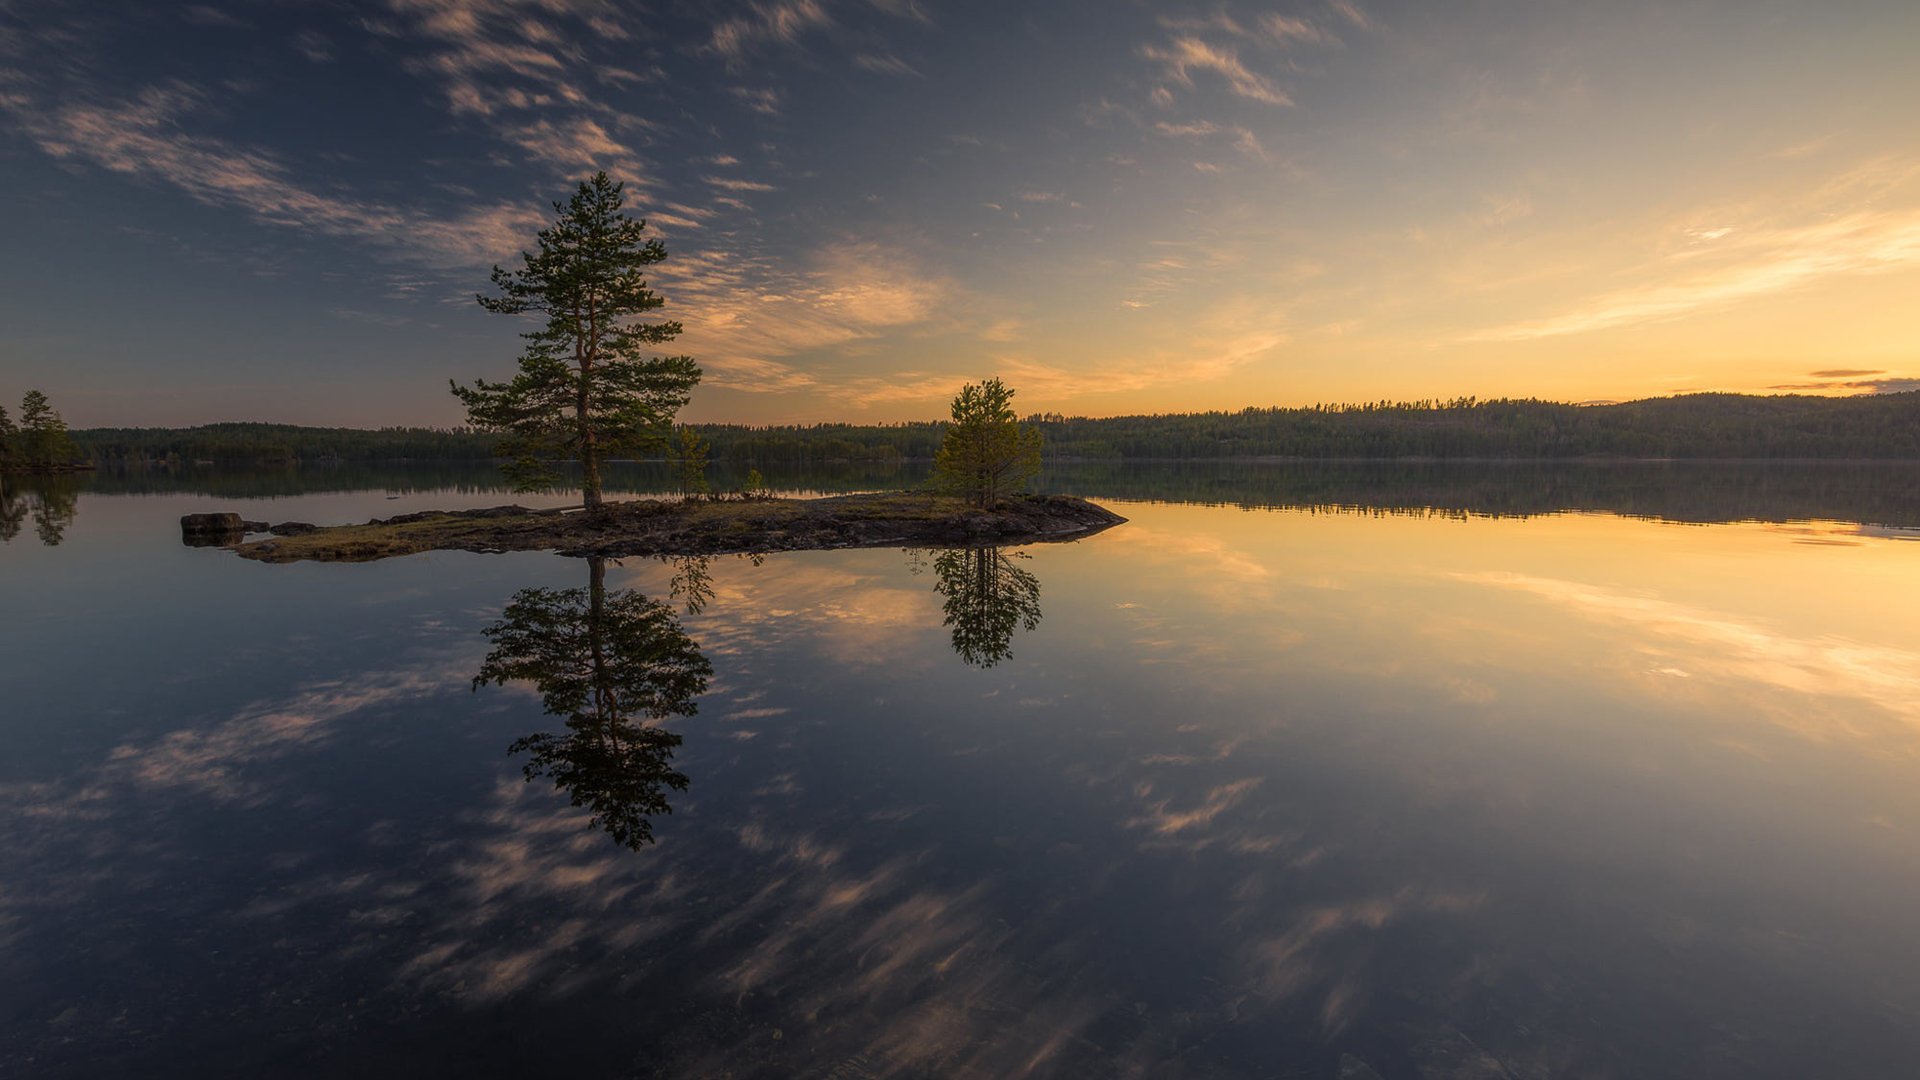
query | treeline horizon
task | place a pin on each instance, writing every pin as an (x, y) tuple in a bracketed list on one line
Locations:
[(1700, 426)]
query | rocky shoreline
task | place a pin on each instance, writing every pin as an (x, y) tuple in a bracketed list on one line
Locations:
[(645, 527)]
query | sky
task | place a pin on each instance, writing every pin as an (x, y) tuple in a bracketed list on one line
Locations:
[(282, 209)]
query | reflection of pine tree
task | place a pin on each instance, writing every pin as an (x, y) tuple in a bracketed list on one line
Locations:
[(51, 503), (987, 599), (609, 663), (13, 512)]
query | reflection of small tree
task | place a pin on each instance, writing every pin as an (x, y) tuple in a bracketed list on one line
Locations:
[(614, 664), (986, 453), (692, 582), (987, 599)]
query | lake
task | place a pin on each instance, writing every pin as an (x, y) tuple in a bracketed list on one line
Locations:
[(1335, 771)]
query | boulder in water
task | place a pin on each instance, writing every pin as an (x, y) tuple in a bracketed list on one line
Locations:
[(212, 530)]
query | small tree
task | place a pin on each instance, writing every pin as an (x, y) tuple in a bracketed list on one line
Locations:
[(586, 389), (690, 454), (986, 453), (43, 435), (9, 438)]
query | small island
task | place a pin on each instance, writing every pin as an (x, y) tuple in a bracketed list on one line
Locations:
[(644, 527)]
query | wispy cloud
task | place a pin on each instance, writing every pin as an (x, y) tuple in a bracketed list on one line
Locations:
[(477, 48), (1769, 262), (734, 183), (1183, 56), (315, 46), (1864, 221), (1847, 381), (763, 100), (579, 144), (143, 137), (747, 316), (779, 23), (1243, 140), (1285, 28), (1353, 14), (884, 64)]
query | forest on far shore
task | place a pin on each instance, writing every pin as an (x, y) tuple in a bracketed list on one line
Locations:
[(1698, 426)]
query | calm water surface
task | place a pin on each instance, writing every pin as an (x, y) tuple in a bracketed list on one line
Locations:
[(1337, 787)]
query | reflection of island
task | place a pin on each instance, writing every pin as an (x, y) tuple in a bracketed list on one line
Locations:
[(613, 664), (49, 503), (987, 599)]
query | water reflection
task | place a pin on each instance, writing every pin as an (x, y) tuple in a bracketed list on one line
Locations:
[(988, 597), (614, 665), (48, 502), (1697, 491)]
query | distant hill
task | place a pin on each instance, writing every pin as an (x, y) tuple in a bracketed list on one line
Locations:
[(1696, 426)]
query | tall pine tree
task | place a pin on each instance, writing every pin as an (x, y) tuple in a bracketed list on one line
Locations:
[(587, 389), (43, 435)]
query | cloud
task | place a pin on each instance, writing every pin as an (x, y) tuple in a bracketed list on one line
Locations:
[(1845, 373), (730, 183), (143, 137), (479, 46), (1352, 13), (315, 46), (1285, 28), (1219, 341), (1891, 385), (779, 23), (766, 102), (579, 143), (207, 15), (1813, 245), (1181, 57), (744, 314), (1267, 29), (884, 64), (1243, 139)]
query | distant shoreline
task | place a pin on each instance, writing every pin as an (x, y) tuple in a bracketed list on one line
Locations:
[(1697, 427)]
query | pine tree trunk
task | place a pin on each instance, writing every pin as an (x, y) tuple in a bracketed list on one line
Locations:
[(589, 448)]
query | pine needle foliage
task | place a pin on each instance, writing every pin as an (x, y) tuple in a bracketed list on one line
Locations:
[(986, 453), (587, 388)]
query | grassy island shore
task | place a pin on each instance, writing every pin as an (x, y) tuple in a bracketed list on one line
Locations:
[(695, 527)]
